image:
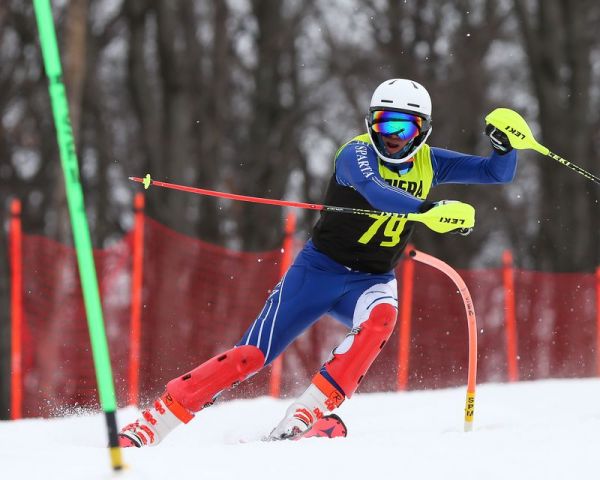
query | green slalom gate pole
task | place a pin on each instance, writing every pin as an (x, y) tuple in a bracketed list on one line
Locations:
[(81, 234)]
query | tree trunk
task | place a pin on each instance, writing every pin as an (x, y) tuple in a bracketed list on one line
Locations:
[(558, 47), (265, 173)]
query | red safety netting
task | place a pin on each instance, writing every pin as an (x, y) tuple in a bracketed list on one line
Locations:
[(58, 371), (556, 320), (198, 299)]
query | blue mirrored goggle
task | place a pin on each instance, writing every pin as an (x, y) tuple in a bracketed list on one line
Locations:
[(405, 125)]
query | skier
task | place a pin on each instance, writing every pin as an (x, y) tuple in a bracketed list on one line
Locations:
[(345, 270)]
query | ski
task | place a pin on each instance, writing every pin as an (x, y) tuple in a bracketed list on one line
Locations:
[(329, 426)]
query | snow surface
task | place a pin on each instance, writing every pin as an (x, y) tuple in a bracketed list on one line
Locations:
[(528, 430)]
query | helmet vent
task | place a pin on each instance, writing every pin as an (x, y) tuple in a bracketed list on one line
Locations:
[(387, 101), (413, 105), (415, 85)]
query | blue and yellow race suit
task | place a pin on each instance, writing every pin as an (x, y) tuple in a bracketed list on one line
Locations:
[(350, 254)]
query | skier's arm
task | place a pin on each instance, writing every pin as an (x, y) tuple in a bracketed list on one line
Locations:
[(356, 167), (455, 167)]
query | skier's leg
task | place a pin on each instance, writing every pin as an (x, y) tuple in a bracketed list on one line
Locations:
[(296, 302), (301, 297), (373, 320), (190, 393)]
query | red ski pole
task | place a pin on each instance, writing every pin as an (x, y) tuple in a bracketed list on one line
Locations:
[(445, 217), (147, 181)]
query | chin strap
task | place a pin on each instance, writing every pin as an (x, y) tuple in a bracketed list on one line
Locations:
[(404, 150)]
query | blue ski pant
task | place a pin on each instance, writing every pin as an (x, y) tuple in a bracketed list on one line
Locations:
[(313, 286)]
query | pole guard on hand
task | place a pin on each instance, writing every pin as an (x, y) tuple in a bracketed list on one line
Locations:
[(521, 138)]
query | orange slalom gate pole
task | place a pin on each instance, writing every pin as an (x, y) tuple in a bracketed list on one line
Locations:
[(510, 322), (472, 328), (598, 321), (16, 302), (286, 261), (136, 301), (405, 322)]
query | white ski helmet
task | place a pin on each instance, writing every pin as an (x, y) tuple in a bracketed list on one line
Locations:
[(403, 108)]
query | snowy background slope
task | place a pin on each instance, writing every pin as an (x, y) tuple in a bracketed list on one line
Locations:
[(544, 429)]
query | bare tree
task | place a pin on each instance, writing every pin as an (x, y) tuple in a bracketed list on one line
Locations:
[(270, 147), (559, 37)]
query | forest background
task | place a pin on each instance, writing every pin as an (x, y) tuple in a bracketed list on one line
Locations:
[(255, 96)]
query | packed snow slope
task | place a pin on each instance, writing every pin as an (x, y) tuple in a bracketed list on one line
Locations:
[(528, 430)]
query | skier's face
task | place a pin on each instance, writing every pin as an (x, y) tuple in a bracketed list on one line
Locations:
[(393, 143)]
